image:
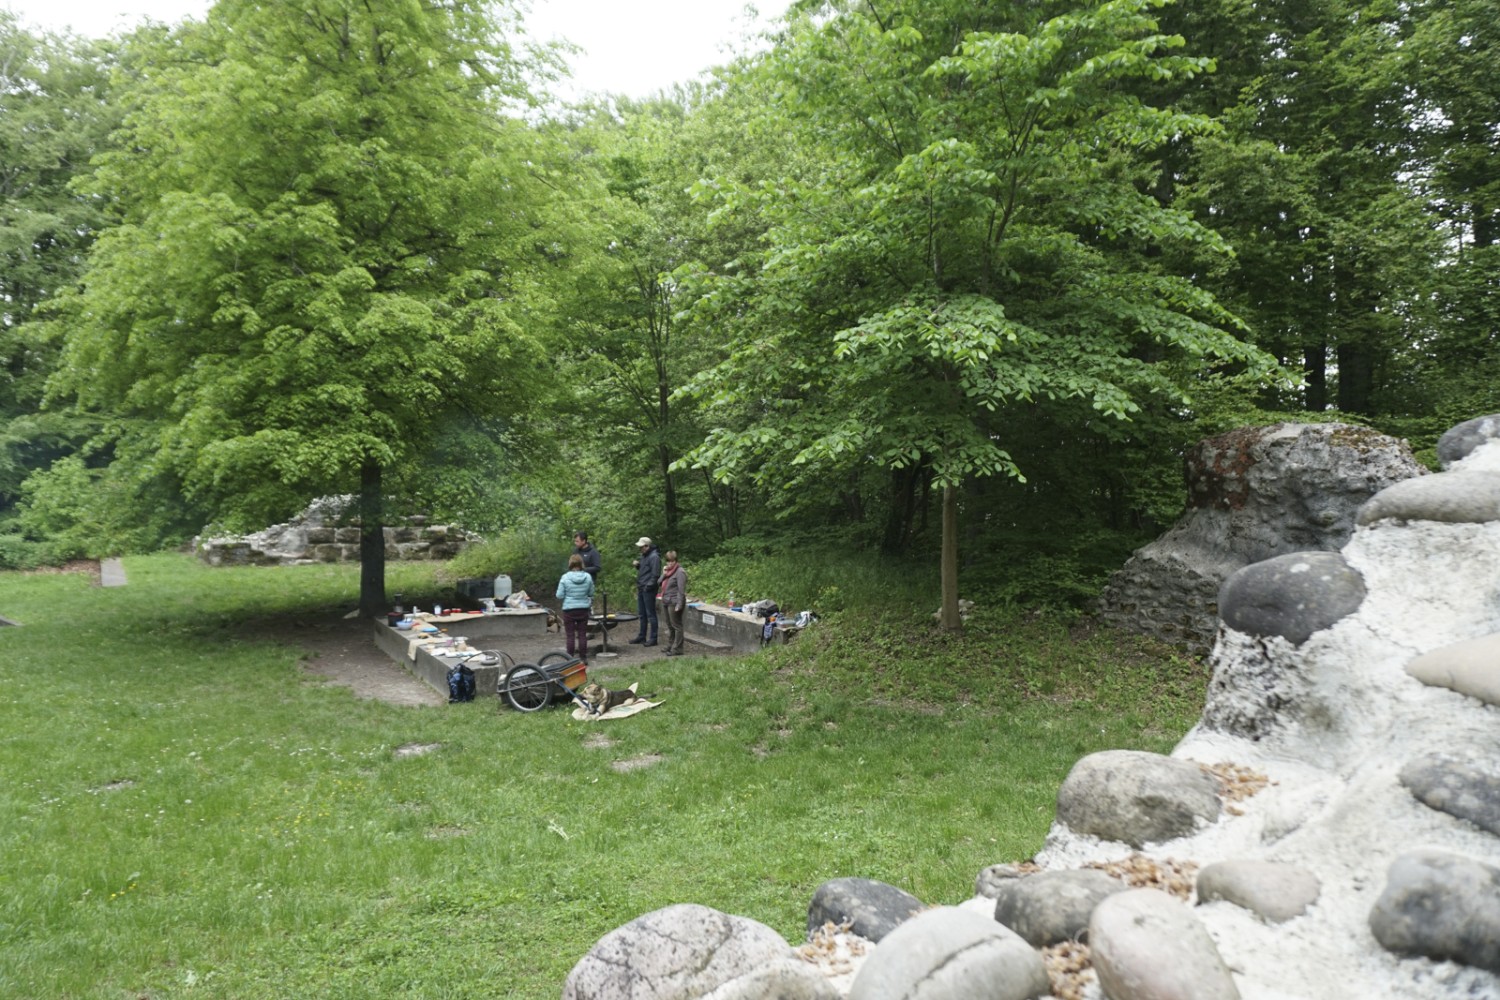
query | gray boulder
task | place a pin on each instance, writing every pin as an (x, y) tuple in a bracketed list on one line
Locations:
[(1136, 797), (872, 909), (1274, 892), (1450, 497), (951, 954), (1457, 788), (1051, 907), (1253, 494), (680, 952), (1146, 945), (1442, 906), (1471, 667), (1458, 442), (1291, 596), (788, 979)]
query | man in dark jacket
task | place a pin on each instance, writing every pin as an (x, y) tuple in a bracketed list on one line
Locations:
[(647, 572), (581, 547)]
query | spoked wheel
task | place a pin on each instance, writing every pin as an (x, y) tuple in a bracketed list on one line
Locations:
[(556, 656), (526, 688)]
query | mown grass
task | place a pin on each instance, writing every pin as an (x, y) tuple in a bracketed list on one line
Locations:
[(188, 814)]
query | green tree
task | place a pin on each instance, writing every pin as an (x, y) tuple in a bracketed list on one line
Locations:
[(976, 239), (55, 115), (329, 236)]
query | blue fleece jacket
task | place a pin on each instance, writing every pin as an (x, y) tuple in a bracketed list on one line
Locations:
[(575, 590)]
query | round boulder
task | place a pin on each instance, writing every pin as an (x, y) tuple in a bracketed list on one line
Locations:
[(1457, 443), (1050, 907), (1470, 667), (788, 979), (1137, 797), (1442, 906), (1292, 596), (1274, 892), (1448, 497), (676, 953), (1145, 945), (871, 909), (951, 954), (1458, 788)]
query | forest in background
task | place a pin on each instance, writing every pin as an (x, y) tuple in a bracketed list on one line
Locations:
[(955, 282)]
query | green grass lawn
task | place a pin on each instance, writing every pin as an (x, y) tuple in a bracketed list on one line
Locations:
[(186, 814)]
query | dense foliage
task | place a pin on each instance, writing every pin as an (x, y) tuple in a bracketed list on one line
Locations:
[(919, 276)]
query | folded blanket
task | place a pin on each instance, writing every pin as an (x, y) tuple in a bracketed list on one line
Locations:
[(624, 711)]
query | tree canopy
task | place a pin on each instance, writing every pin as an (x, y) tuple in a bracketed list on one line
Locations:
[(912, 264)]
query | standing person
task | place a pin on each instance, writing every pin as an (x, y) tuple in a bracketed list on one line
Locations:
[(647, 570), (673, 596), (576, 591), (581, 547)]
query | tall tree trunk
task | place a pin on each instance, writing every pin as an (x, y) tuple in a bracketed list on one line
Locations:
[(371, 541), (1356, 378), (898, 519), (1315, 368), (949, 618), (668, 491)]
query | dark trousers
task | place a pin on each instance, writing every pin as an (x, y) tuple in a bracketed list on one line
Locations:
[(674, 628), (645, 607), (576, 632)]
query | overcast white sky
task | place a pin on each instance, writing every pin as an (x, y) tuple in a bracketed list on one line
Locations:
[(632, 46)]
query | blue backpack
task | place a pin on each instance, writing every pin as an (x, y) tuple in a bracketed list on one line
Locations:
[(460, 684)]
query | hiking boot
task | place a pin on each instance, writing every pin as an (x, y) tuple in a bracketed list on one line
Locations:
[(649, 642), (638, 640)]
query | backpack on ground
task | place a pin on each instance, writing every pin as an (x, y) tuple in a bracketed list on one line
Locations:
[(460, 684)]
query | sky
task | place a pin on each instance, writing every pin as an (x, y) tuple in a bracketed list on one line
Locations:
[(634, 47)]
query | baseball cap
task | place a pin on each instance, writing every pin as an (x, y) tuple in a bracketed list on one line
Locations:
[(643, 540)]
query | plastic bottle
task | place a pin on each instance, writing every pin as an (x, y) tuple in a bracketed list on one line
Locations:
[(502, 587), (731, 600)]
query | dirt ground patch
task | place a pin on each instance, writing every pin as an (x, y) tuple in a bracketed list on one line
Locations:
[(343, 651)]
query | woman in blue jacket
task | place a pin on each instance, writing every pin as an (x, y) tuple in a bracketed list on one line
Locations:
[(576, 591)]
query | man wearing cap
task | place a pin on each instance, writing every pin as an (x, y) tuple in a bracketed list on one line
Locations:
[(647, 570)]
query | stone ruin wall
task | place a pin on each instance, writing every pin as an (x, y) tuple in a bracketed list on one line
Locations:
[(1253, 494), (323, 534)]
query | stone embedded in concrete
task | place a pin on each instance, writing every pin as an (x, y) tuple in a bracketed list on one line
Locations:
[(1145, 945), (1136, 797), (1442, 906), (1451, 497), (1054, 906), (1291, 596), (788, 979), (1471, 667), (1274, 892), (1458, 788), (871, 909), (680, 952), (951, 954), (1458, 442), (990, 880)]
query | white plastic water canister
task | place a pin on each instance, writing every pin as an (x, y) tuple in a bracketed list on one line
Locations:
[(502, 587)]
